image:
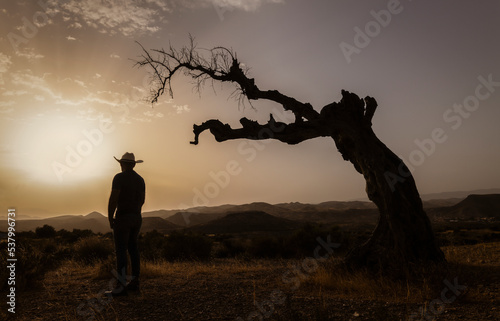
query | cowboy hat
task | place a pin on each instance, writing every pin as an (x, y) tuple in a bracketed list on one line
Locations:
[(128, 158)]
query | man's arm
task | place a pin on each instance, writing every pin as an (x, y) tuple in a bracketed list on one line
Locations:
[(143, 197), (112, 204), (143, 193)]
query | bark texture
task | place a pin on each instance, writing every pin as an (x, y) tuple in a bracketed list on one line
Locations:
[(403, 235)]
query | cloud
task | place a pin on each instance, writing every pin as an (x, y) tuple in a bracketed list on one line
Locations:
[(5, 106), (29, 53), (14, 93), (181, 108), (76, 25), (246, 5), (74, 90), (114, 16), (160, 4), (150, 113), (131, 17), (28, 80), (120, 99), (114, 56), (5, 63), (70, 38)]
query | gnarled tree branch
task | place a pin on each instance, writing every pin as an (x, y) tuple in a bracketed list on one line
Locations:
[(222, 65), (293, 133)]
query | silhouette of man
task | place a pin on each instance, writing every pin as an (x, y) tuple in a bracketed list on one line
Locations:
[(127, 197)]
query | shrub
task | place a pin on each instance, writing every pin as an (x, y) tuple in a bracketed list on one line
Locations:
[(46, 231), (151, 245), (181, 246), (230, 247), (92, 249), (303, 242), (266, 247), (31, 265)]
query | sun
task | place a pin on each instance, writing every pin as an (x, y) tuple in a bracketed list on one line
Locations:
[(62, 150)]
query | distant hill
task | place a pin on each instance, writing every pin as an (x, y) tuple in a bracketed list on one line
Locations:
[(337, 217), (159, 213), (332, 205), (188, 219), (433, 203), (260, 216), (94, 221), (474, 207), (244, 222), (459, 194), (159, 224)]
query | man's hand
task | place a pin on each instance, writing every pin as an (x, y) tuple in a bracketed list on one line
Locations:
[(113, 202)]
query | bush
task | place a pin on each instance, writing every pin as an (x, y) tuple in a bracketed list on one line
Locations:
[(230, 247), (151, 245), (72, 237), (303, 242), (32, 263), (266, 247), (92, 249), (182, 246), (46, 231)]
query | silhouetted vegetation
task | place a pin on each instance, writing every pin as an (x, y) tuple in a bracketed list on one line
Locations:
[(175, 246), (77, 234), (299, 244), (45, 249), (92, 249), (45, 232), (35, 257)]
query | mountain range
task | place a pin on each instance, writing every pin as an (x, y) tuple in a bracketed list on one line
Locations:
[(264, 217)]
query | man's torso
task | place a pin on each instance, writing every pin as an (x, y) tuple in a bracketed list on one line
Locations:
[(132, 190)]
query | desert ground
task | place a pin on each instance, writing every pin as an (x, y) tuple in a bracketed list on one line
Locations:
[(270, 289)]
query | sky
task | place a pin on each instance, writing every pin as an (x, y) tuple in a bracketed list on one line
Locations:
[(71, 98)]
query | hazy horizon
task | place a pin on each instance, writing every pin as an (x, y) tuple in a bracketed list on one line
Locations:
[(71, 99), (425, 197)]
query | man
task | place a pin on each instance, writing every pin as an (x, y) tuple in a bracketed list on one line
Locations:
[(127, 197)]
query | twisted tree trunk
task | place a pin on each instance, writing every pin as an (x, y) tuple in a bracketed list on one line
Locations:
[(403, 235)]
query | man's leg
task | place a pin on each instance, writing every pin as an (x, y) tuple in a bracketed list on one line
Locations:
[(121, 236), (135, 258)]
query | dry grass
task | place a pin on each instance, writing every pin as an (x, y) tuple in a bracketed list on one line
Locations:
[(161, 268), (479, 254), (469, 263), (236, 286), (473, 265), (349, 285)]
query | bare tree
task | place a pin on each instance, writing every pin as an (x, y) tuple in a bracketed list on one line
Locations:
[(403, 235)]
